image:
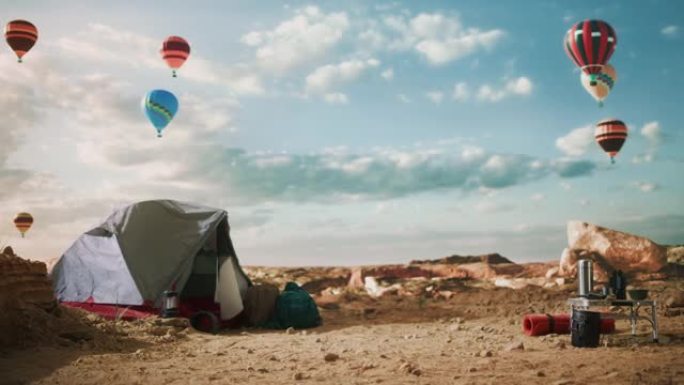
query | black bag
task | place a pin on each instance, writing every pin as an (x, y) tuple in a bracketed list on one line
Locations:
[(586, 328)]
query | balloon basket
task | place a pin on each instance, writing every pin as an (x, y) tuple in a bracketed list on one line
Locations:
[(19, 60), (22, 235), (612, 160), (174, 73), (159, 135), (600, 104)]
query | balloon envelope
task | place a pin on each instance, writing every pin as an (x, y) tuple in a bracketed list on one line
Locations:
[(160, 106), (604, 82), (611, 134), (21, 35), (590, 44), (175, 51), (23, 222)]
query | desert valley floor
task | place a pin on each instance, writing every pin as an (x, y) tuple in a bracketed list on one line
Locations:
[(474, 337)]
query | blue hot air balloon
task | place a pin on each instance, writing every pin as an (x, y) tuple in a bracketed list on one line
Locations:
[(160, 106)]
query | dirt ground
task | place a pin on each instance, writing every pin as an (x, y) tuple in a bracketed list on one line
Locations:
[(474, 337)]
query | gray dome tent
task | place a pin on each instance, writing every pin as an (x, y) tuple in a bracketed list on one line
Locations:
[(149, 247)]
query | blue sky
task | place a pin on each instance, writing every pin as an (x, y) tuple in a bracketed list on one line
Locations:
[(344, 132)]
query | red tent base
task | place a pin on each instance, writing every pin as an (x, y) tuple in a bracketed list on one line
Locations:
[(187, 308), (114, 312), (542, 324)]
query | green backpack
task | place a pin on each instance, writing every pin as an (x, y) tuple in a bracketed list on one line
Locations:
[(295, 308)]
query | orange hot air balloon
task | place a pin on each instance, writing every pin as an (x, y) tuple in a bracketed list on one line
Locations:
[(611, 134), (175, 52), (21, 35), (23, 222)]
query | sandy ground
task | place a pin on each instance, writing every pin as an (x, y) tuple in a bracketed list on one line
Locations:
[(468, 339)]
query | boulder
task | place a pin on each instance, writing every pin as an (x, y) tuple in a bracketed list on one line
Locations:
[(675, 254), (620, 251)]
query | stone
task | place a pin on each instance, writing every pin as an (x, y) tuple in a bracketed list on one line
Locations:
[(331, 357), (356, 279), (552, 272), (299, 376), (514, 346), (620, 251), (290, 330), (675, 299), (77, 335), (675, 254), (410, 368)]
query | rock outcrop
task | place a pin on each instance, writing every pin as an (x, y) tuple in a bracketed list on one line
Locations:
[(23, 282), (610, 250), (24, 286), (492, 259)]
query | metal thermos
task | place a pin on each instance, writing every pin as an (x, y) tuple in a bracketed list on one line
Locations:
[(585, 278), (170, 308)]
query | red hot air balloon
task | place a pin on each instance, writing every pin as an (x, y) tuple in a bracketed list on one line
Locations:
[(175, 52), (590, 44), (23, 222), (21, 35), (611, 134)]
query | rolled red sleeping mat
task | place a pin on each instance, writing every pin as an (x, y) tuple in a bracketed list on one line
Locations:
[(543, 324)]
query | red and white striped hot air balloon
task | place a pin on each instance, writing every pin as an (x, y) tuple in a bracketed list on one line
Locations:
[(175, 52), (611, 134), (23, 222), (21, 35)]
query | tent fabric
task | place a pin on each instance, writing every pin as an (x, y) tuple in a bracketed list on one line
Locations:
[(142, 250), (543, 324)]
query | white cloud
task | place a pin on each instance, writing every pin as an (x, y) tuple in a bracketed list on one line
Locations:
[(372, 39), (576, 142), (403, 98), (297, 41), (670, 31), (537, 197), (336, 98), (646, 187), (488, 206), (387, 74), (438, 38), (521, 86), (651, 131), (435, 96), (472, 153), (114, 47), (643, 158), (461, 92), (327, 77)]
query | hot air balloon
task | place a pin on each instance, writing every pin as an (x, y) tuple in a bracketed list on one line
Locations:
[(611, 134), (160, 106), (23, 222), (175, 52), (590, 43), (605, 80), (21, 35)]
